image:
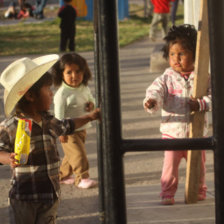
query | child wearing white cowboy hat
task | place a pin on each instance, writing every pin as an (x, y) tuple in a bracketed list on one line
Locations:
[(35, 185)]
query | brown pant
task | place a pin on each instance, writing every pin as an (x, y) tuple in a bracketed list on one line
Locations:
[(75, 159)]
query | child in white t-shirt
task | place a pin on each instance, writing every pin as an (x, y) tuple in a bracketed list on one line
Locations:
[(73, 98)]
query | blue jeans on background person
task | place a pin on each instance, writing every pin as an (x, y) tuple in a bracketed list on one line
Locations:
[(39, 10), (174, 11)]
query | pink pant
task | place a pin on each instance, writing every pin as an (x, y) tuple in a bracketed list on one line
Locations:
[(169, 178)]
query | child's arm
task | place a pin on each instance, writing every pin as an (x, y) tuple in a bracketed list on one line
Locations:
[(193, 104), (59, 105), (155, 95), (79, 122), (8, 159), (7, 155), (69, 125), (149, 104), (201, 104)]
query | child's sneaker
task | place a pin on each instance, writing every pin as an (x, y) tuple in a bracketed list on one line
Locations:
[(167, 201), (87, 183), (69, 180)]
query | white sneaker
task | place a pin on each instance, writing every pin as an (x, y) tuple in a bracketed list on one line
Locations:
[(87, 183)]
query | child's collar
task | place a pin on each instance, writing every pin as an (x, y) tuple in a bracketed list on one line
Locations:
[(22, 115), (186, 75), (70, 87)]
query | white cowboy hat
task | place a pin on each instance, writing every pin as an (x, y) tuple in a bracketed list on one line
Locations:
[(19, 76)]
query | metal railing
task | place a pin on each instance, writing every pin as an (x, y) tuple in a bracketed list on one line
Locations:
[(111, 146)]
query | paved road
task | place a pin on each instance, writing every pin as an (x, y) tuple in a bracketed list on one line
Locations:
[(142, 169)]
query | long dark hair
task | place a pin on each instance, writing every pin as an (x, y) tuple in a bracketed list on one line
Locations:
[(68, 59)]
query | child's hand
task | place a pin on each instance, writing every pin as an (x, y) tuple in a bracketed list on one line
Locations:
[(150, 103), (95, 115), (12, 161), (63, 138), (89, 106), (193, 104)]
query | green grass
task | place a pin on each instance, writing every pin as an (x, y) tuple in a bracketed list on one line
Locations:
[(43, 38)]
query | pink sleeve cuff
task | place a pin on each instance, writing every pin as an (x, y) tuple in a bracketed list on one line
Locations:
[(202, 104)]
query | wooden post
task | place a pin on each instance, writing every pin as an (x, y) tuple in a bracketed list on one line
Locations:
[(200, 89)]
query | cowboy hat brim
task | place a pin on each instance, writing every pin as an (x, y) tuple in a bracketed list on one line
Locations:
[(12, 97)]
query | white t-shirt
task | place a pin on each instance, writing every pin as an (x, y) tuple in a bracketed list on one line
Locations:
[(69, 102)]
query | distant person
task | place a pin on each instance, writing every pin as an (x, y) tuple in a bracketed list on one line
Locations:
[(160, 16), (26, 11), (73, 98), (68, 15), (35, 189), (11, 12), (38, 12), (172, 92), (174, 11)]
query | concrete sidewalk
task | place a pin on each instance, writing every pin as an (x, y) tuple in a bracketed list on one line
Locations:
[(142, 169)]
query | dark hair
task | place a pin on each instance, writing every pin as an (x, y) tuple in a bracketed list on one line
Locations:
[(45, 80), (68, 59), (185, 34)]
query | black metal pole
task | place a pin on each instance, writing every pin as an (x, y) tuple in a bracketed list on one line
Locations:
[(97, 69), (216, 35), (114, 192), (133, 145)]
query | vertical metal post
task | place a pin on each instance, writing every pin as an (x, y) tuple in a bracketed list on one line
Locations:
[(97, 69), (216, 31), (114, 193)]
